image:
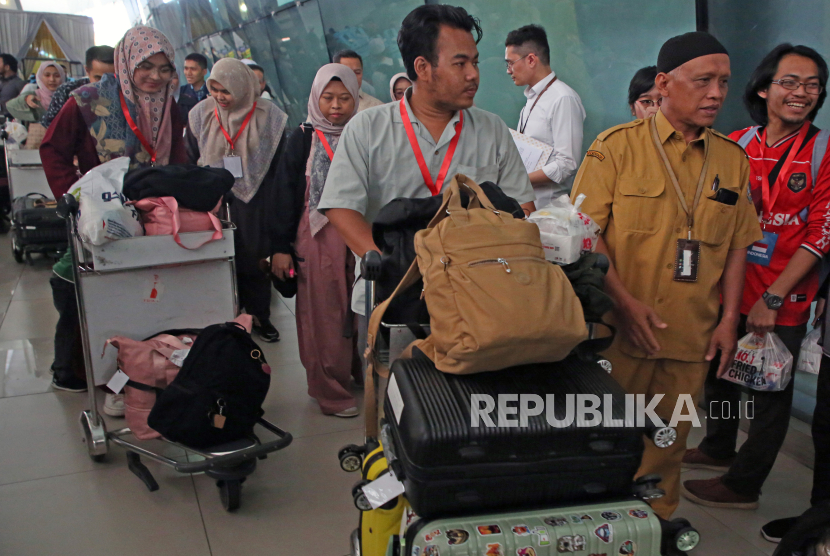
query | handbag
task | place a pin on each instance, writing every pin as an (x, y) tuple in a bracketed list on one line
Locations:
[(162, 216)]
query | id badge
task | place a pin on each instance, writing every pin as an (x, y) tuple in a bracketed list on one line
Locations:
[(760, 252), (687, 260), (233, 164)]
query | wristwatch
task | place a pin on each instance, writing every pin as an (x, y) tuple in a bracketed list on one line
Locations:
[(773, 301)]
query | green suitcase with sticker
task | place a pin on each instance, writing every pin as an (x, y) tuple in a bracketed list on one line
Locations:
[(624, 528)]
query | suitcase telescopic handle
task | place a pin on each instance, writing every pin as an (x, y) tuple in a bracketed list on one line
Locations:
[(67, 205), (370, 266)]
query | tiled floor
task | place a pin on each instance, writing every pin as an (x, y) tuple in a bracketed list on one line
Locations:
[(55, 501)]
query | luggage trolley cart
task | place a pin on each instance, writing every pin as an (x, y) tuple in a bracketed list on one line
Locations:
[(34, 224), (136, 288)]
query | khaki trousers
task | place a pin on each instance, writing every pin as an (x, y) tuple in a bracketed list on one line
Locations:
[(671, 378)]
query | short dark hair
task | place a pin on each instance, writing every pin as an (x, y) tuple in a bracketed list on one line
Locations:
[(198, 58), (762, 78), (641, 83), (534, 38), (103, 54), (10, 61), (347, 54), (419, 32), (256, 67)]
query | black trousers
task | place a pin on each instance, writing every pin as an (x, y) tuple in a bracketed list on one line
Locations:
[(821, 436), (768, 426), (255, 294), (69, 356)]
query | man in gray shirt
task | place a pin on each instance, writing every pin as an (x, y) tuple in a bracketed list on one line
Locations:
[(400, 149), (10, 84)]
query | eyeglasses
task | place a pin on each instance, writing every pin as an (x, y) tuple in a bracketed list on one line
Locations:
[(163, 71), (509, 64), (793, 85), (648, 103)]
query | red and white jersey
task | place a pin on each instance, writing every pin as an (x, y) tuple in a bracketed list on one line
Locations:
[(800, 217)]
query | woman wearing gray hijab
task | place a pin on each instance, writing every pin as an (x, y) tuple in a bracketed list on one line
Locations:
[(325, 266)]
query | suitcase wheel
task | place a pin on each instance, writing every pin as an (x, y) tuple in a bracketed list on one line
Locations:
[(645, 487), (351, 458), (687, 537), (664, 437), (230, 492), (359, 497)]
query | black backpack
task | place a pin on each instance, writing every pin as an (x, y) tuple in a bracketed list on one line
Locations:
[(218, 394)]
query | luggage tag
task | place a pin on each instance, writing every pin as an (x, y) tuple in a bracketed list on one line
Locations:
[(217, 419), (687, 260), (760, 252), (383, 489), (118, 381), (233, 164)]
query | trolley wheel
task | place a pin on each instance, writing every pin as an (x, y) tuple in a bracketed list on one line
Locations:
[(351, 458), (98, 458), (18, 256), (359, 497), (686, 539), (230, 492)]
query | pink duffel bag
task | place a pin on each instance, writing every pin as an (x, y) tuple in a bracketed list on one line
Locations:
[(148, 364), (162, 216)]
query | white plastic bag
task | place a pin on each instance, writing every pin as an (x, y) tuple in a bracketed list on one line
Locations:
[(762, 363), (566, 233), (809, 359), (103, 215), (17, 135)]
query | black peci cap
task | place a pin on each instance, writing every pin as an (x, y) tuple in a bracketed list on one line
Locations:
[(680, 49)]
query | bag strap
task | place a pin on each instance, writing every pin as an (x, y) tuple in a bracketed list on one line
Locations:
[(747, 137), (173, 206)]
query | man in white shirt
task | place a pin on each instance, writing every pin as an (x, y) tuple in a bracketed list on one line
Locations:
[(553, 113), (353, 60)]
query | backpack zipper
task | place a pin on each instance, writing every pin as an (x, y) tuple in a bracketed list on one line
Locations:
[(504, 262)]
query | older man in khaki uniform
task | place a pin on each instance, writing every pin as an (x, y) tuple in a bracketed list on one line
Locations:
[(670, 196)]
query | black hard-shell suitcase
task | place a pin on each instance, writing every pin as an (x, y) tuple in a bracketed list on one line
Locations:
[(450, 467), (36, 226)]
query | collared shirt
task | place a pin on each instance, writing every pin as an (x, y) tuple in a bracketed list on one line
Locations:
[(59, 98), (374, 162), (556, 121), (10, 87), (798, 219), (629, 194), (367, 101)]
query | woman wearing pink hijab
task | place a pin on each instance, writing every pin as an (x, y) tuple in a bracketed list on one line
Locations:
[(131, 113), (325, 266), (34, 100)]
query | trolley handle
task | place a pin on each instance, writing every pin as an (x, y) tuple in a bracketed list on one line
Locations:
[(67, 205), (370, 266)]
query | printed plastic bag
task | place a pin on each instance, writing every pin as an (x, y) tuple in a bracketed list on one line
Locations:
[(17, 134), (566, 233), (762, 363), (809, 359), (103, 215)]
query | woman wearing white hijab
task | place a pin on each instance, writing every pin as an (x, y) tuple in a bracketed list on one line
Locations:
[(326, 266), (398, 85), (231, 129)]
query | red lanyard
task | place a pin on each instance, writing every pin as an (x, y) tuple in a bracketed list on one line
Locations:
[(434, 187), (241, 129), (144, 143), (325, 144), (768, 202)]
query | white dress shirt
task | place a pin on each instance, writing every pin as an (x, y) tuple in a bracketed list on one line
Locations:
[(556, 121)]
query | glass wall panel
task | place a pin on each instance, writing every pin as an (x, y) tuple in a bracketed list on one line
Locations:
[(171, 21), (260, 49), (199, 15), (370, 28), (596, 46), (299, 49)]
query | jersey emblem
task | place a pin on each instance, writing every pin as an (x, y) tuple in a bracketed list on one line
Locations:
[(797, 182)]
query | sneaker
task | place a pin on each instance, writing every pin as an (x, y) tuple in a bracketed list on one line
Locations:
[(714, 494), (267, 331), (348, 413), (775, 530), (71, 384), (114, 405), (695, 459)]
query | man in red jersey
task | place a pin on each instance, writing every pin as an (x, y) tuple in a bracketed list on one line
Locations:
[(790, 188)]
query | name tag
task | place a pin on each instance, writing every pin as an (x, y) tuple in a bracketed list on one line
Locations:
[(760, 252), (233, 164), (687, 260)]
